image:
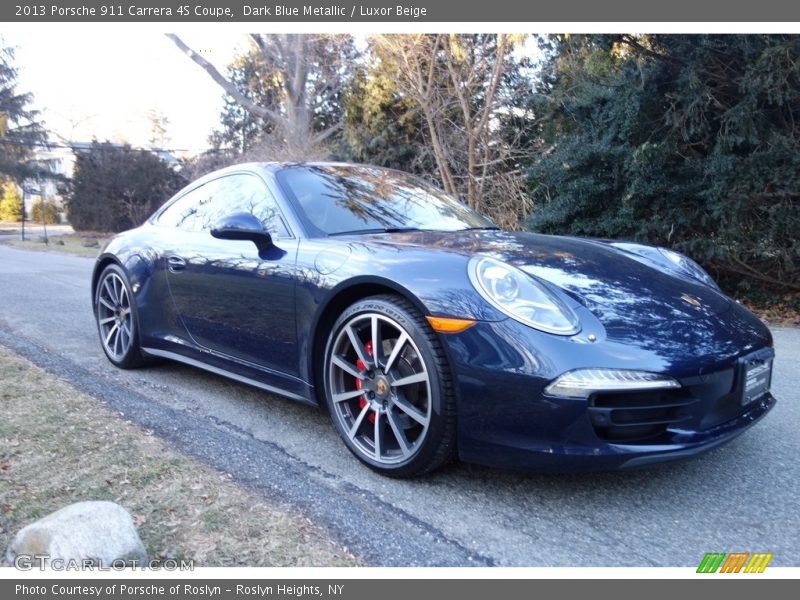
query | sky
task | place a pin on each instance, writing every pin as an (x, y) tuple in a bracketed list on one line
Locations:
[(103, 83)]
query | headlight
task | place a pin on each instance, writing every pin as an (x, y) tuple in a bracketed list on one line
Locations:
[(688, 266), (673, 261), (521, 297)]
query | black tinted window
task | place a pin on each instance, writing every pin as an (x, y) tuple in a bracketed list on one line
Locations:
[(203, 207), (335, 199)]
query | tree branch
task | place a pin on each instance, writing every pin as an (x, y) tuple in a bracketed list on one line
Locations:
[(631, 41), (742, 268), (326, 133), (230, 88)]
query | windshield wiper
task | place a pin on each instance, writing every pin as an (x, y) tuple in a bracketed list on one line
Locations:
[(376, 230), (485, 228)]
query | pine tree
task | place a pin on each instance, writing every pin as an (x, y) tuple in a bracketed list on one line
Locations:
[(118, 187), (689, 141), (20, 130)]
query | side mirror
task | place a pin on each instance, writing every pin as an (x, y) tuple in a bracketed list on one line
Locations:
[(242, 226)]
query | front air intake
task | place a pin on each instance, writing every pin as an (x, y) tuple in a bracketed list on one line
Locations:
[(637, 416)]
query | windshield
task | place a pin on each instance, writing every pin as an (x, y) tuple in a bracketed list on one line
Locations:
[(343, 199)]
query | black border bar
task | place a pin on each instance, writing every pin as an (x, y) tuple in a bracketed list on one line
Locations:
[(392, 589), (405, 11)]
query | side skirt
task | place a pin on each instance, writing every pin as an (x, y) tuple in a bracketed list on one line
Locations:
[(229, 374)]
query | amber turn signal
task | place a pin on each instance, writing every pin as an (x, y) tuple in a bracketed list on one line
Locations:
[(447, 325)]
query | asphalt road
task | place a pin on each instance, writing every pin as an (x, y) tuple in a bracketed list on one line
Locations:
[(741, 497)]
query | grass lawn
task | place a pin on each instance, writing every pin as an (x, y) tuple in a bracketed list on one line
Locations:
[(77, 244), (58, 446)]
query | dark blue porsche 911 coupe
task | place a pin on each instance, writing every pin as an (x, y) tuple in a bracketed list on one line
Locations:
[(428, 333)]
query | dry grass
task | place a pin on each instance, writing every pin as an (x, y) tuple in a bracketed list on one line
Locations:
[(58, 446), (76, 244)]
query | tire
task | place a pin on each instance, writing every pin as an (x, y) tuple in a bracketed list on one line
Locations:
[(414, 422), (117, 319)]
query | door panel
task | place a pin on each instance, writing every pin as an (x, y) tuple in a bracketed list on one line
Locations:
[(233, 301), (232, 298)]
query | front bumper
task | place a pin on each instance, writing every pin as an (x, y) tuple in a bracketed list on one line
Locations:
[(506, 420), (529, 455)]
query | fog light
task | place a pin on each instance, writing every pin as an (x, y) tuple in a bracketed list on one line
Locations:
[(582, 383)]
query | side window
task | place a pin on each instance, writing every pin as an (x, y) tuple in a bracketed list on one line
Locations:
[(244, 193), (201, 208), (186, 212)]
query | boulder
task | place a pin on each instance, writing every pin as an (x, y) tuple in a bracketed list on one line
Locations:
[(98, 531)]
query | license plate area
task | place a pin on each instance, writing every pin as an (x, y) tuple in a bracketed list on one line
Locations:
[(755, 375)]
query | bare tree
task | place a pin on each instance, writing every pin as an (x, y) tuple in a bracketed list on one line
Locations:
[(159, 128), (411, 58), (312, 71), (458, 83)]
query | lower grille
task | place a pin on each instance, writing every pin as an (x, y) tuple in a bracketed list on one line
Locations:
[(635, 416), (702, 403)]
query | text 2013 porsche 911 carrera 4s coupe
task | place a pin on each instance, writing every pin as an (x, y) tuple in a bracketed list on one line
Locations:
[(428, 333)]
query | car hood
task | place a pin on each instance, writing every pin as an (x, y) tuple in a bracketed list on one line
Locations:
[(614, 285)]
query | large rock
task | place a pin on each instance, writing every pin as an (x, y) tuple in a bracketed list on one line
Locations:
[(102, 532)]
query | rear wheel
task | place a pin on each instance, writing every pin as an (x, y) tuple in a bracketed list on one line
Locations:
[(389, 389), (117, 321)]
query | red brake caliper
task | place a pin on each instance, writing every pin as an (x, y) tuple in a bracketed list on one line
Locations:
[(362, 401)]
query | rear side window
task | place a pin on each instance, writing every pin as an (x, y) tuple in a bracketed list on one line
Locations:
[(185, 212)]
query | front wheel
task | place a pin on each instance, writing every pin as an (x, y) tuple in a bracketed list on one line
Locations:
[(388, 388), (116, 318)]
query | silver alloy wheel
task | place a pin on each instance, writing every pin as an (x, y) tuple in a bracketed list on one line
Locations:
[(114, 316), (381, 388)]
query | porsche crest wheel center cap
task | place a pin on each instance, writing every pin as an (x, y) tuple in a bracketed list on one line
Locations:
[(382, 387)]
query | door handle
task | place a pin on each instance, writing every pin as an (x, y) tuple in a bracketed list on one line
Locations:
[(176, 263)]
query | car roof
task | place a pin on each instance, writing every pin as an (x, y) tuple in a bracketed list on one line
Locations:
[(274, 166)]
